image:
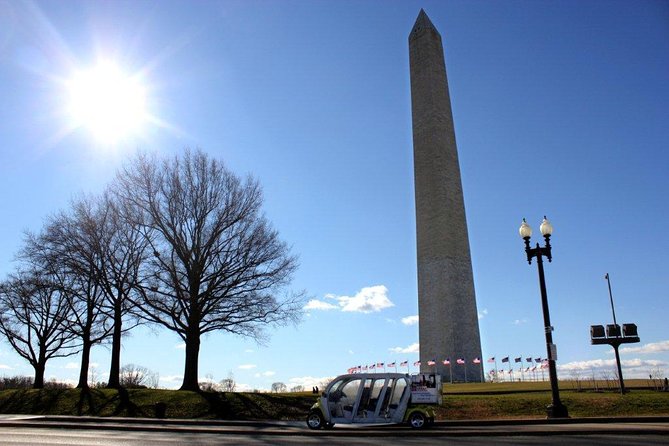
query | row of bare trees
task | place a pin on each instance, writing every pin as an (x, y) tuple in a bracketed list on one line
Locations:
[(177, 242)]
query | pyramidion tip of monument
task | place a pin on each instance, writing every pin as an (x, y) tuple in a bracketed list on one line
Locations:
[(423, 22)]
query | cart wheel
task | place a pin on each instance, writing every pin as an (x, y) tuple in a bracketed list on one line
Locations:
[(417, 420), (315, 420)]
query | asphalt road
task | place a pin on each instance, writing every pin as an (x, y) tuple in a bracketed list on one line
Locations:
[(20, 430)]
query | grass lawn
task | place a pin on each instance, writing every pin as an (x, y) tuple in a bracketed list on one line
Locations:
[(460, 402)]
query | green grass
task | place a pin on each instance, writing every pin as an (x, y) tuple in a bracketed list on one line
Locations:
[(535, 386), (460, 402), (533, 404), (141, 403)]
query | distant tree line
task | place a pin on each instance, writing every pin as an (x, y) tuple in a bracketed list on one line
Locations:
[(177, 242)]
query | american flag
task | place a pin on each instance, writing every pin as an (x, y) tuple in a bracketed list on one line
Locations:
[(447, 361), (373, 366), (391, 364), (460, 361), (417, 363), (518, 359), (476, 360), (528, 359), (534, 368), (491, 359), (527, 369), (431, 362), (352, 370), (537, 359), (364, 368), (404, 363), (505, 359), (379, 364)]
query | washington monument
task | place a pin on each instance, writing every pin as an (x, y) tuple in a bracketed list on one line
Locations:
[(448, 319)]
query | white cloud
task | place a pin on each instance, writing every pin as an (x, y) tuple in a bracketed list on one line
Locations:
[(520, 321), (413, 348), (248, 350), (370, 299), (241, 387), (367, 300), (265, 374), (5, 367), (247, 366), (70, 382), (172, 378), (632, 368), (180, 346), (410, 320), (71, 365), (653, 347), (314, 304), (310, 381), (483, 313)]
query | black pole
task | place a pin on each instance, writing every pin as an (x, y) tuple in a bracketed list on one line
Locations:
[(556, 409), (620, 370), (616, 344), (613, 310)]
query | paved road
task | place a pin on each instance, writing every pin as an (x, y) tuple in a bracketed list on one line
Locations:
[(90, 437), (20, 430)]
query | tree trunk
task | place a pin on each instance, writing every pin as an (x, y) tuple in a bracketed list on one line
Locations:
[(39, 375), (115, 368), (190, 381), (85, 360)]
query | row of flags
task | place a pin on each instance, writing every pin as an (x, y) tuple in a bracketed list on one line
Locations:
[(541, 362), (519, 359), (543, 365), (431, 362)]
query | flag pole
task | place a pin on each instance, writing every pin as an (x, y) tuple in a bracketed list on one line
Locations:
[(465, 370)]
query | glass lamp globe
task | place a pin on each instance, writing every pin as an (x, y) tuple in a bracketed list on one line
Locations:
[(525, 230), (546, 227)]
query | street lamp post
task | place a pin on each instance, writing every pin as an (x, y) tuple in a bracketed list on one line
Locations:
[(556, 409)]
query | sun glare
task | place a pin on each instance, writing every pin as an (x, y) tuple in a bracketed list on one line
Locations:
[(109, 103)]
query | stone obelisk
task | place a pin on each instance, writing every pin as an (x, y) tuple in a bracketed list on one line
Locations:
[(448, 319)]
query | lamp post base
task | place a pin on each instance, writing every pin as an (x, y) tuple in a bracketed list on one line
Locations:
[(557, 411)]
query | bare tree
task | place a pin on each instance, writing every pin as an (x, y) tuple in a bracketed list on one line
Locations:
[(217, 264), (279, 387), (70, 240), (34, 319), (298, 388), (137, 376), (228, 384), (121, 249), (209, 385)]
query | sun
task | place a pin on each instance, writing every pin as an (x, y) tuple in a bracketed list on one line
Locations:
[(108, 102)]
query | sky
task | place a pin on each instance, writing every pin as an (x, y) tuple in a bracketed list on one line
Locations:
[(560, 109)]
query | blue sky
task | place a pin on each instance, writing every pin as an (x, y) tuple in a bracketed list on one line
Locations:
[(559, 109)]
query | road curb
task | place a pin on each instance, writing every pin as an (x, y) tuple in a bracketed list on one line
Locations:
[(463, 428)]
